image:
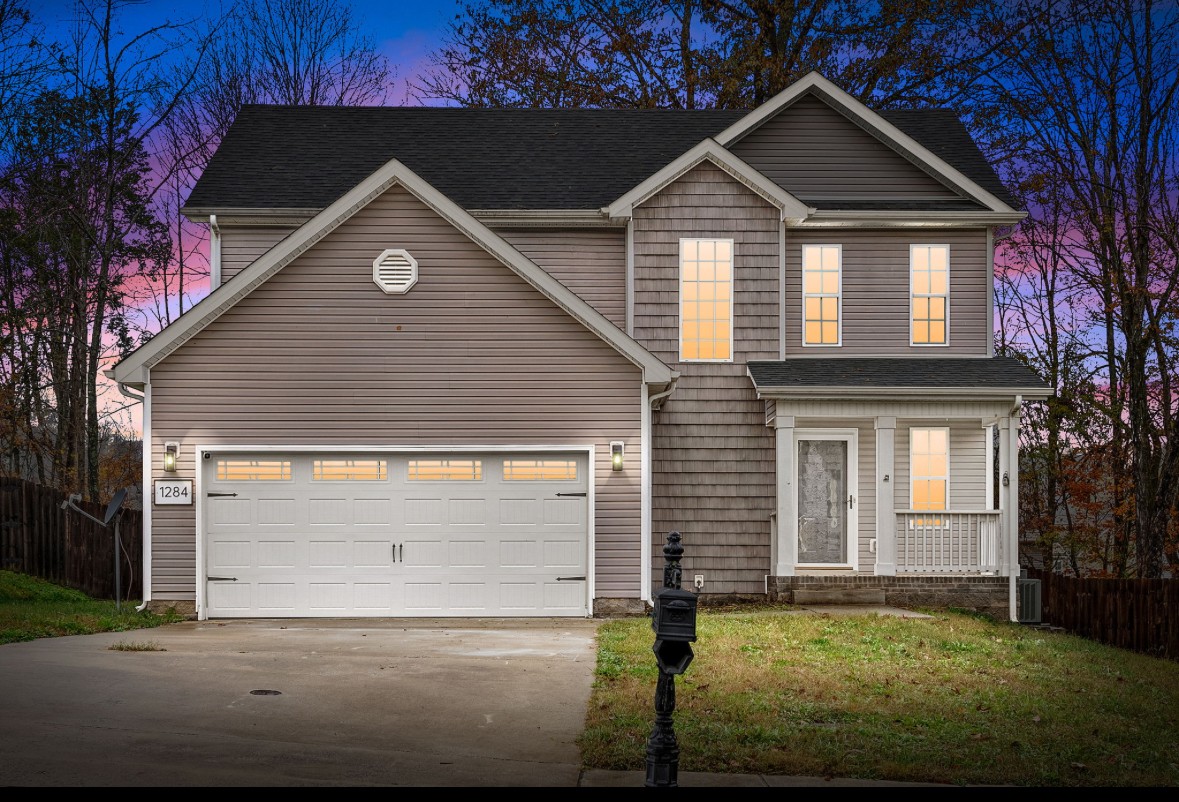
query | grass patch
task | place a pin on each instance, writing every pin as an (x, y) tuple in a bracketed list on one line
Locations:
[(32, 608), (136, 646), (956, 699)]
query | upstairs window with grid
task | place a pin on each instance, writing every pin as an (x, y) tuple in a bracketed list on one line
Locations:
[(706, 300), (821, 288), (930, 294)]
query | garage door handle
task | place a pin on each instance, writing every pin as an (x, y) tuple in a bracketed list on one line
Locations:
[(571, 579), (220, 495), (223, 579), (562, 495)]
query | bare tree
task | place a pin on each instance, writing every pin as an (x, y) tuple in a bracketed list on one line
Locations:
[(1091, 86)]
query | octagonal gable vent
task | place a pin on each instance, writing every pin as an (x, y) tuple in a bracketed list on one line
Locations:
[(395, 271)]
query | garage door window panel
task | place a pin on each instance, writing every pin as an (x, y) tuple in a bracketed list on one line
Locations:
[(349, 470), (251, 470), (445, 470), (540, 470)]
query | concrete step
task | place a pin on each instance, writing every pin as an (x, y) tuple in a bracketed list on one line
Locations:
[(839, 596)]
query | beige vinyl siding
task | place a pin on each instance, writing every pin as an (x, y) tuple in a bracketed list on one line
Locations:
[(241, 245), (713, 458), (472, 355), (876, 291), (814, 152), (590, 262), (968, 463)]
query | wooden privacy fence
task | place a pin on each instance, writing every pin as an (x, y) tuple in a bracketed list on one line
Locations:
[(39, 538), (1137, 614)]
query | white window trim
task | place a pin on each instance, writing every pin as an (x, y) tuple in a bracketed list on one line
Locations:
[(732, 294), (913, 477), (852, 438), (946, 295), (839, 298)]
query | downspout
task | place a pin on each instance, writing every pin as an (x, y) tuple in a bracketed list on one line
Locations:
[(1013, 513), (650, 404), (146, 568), (214, 253)]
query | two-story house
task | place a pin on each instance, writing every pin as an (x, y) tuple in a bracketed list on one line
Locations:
[(479, 362)]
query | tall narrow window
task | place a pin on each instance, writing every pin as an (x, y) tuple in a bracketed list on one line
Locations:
[(821, 283), (706, 300), (930, 283), (929, 469)]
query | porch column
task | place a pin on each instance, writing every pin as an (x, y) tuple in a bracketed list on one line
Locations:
[(1004, 426), (786, 553), (886, 519), (1013, 513)]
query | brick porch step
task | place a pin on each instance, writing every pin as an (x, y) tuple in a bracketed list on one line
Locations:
[(840, 596)]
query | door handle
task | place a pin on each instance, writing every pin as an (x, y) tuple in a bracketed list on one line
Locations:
[(571, 579), (401, 553), (851, 502), (570, 495), (222, 578)]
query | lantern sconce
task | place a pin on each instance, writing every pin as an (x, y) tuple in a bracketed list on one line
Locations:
[(616, 455), (171, 452)]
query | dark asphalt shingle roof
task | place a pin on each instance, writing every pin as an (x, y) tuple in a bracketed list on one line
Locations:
[(947, 373), (304, 157)]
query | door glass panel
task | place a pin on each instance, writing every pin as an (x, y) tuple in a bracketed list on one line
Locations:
[(822, 501)]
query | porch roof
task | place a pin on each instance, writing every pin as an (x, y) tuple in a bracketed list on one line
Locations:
[(998, 375)]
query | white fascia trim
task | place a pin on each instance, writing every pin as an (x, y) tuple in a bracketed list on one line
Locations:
[(391, 173), (908, 219), (148, 495), (710, 150), (894, 393), (251, 216), (214, 253), (869, 120), (645, 486), (545, 218)]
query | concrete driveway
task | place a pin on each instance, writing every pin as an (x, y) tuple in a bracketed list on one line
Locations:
[(390, 702)]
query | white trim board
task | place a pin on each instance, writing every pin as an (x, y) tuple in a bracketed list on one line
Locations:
[(392, 173)]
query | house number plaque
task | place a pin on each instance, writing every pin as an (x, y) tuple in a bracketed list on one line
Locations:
[(173, 491)]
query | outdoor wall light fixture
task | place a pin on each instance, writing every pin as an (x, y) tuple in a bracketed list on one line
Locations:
[(1006, 479), (616, 455), (171, 451)]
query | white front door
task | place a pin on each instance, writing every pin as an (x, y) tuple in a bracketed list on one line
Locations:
[(825, 482), (388, 534)]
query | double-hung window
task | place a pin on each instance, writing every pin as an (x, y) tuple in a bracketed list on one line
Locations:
[(706, 300), (929, 294), (929, 468), (822, 285)]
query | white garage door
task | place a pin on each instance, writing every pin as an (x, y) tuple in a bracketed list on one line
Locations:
[(364, 534)]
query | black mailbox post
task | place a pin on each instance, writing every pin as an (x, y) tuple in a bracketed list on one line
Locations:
[(673, 619)]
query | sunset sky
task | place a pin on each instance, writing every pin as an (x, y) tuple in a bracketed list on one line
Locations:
[(405, 32)]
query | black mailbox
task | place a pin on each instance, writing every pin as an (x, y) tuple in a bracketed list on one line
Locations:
[(673, 616)]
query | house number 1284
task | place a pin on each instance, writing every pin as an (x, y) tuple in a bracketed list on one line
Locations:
[(173, 491)]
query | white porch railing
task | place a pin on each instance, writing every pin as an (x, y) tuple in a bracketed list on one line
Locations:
[(948, 542)]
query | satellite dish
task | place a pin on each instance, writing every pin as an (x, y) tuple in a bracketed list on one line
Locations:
[(112, 509)]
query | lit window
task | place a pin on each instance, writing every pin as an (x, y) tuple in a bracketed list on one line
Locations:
[(445, 470), (820, 294), (253, 470), (929, 468), (706, 300), (930, 288), (349, 470), (534, 470)]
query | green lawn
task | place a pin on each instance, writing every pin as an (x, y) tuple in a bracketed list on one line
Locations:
[(31, 608), (957, 699)]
